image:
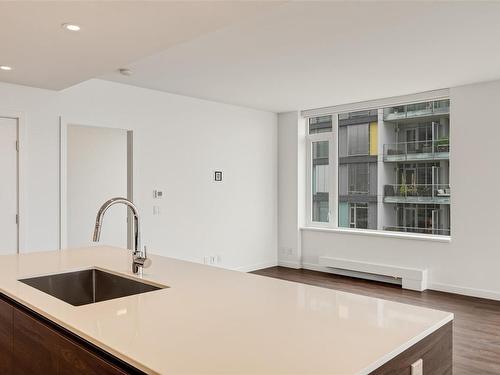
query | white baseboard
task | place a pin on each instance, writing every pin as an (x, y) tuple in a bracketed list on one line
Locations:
[(471, 292), (440, 287), (256, 267), (290, 264), (316, 267)]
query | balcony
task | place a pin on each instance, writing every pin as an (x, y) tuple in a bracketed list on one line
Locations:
[(416, 110), (418, 193), (417, 150), (421, 230)]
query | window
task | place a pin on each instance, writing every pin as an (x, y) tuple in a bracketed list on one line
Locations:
[(358, 178), (357, 136), (392, 169), (358, 215)]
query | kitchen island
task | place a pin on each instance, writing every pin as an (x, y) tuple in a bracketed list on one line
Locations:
[(214, 321)]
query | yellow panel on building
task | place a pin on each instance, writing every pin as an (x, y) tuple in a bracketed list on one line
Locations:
[(373, 138)]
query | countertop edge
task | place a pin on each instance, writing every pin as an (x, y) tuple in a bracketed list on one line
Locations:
[(386, 358)]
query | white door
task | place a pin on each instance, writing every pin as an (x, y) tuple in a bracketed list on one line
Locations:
[(96, 172), (8, 186)]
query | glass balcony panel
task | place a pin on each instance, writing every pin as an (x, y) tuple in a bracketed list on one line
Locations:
[(441, 106), (417, 193), (417, 150), (417, 110)]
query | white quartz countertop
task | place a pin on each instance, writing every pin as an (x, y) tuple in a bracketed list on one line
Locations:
[(216, 321)]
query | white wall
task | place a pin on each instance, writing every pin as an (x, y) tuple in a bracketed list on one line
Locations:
[(289, 207), (96, 171), (178, 142), (470, 263)]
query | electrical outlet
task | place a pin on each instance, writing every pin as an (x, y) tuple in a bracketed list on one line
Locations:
[(417, 368), (212, 259)]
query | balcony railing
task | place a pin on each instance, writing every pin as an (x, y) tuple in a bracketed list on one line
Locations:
[(421, 230), (417, 150), (417, 110), (417, 193)]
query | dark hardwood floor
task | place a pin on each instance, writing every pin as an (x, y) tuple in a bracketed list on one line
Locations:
[(476, 328)]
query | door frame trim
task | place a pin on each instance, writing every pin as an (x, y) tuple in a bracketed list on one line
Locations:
[(20, 117)]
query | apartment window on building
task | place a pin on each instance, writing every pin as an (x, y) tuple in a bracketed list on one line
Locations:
[(392, 166), (358, 215), (358, 142), (358, 180)]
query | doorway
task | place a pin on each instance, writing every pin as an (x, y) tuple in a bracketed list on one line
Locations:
[(96, 165)]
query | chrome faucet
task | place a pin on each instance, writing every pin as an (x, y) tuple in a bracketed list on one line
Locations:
[(140, 259)]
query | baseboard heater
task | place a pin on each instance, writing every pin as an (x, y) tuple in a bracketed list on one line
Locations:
[(408, 278)]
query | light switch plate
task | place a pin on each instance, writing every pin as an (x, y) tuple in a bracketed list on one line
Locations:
[(417, 368), (157, 194)]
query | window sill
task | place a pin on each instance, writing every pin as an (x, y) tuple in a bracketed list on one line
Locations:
[(377, 233)]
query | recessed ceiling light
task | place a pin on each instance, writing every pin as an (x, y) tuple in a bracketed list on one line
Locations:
[(71, 27), (5, 67)]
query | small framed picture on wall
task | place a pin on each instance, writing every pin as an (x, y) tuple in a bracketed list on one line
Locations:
[(218, 176)]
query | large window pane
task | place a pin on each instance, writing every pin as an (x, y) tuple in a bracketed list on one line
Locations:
[(358, 169), (320, 181), (393, 168)]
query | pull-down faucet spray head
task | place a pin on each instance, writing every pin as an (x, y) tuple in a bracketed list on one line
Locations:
[(97, 232)]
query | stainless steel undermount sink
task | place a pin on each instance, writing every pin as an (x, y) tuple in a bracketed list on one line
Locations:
[(89, 286)]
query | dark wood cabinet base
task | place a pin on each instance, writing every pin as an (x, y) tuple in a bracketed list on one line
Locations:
[(436, 352), (32, 344)]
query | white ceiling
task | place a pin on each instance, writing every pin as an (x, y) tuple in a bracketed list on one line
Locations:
[(312, 54), (266, 55), (113, 34)]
